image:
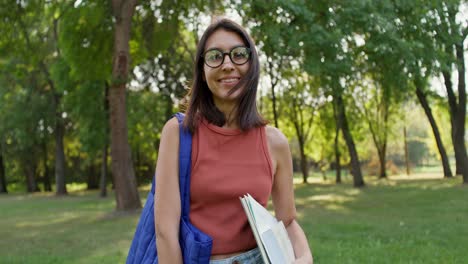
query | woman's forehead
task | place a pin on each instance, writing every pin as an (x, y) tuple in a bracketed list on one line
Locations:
[(224, 40)]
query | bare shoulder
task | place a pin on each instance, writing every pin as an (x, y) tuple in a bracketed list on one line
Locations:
[(277, 141), (171, 126), (170, 133)]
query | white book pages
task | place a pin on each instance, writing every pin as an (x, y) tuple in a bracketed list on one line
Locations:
[(253, 225), (271, 235), (273, 248), (284, 242), (263, 219)]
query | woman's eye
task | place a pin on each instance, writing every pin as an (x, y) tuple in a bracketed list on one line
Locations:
[(239, 54), (213, 56)]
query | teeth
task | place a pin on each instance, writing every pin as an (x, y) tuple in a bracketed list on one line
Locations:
[(229, 80)]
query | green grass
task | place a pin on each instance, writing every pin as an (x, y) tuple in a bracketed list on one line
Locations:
[(414, 219), (401, 220), (80, 228)]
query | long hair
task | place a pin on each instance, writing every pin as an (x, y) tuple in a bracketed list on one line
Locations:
[(201, 104)]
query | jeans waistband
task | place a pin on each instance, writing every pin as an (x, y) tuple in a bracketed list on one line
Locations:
[(252, 256)]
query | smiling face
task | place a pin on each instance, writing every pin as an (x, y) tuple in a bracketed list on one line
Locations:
[(222, 79)]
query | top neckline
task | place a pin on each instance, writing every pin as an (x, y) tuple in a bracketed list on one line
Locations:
[(221, 130)]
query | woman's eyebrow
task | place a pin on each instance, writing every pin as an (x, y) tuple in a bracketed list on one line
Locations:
[(218, 48)]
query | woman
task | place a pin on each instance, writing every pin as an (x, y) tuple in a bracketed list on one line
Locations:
[(233, 153)]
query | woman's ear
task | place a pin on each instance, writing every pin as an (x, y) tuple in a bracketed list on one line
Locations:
[(203, 75)]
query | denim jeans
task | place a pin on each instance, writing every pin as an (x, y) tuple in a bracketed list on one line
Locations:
[(250, 257)]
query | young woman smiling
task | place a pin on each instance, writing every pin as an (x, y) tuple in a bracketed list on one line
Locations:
[(234, 152)]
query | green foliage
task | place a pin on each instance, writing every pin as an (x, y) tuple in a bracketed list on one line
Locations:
[(87, 111), (56, 59), (147, 116), (417, 151), (86, 40), (60, 74), (25, 116)]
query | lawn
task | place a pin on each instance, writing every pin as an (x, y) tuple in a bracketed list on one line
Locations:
[(418, 219)]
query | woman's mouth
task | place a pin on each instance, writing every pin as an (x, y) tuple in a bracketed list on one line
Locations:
[(230, 80)]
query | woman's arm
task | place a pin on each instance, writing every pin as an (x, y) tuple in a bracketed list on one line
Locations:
[(283, 193), (167, 197), (300, 244)]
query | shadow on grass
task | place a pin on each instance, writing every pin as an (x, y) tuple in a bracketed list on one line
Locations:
[(65, 230), (343, 199), (397, 220)]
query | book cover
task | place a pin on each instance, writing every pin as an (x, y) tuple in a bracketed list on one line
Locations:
[(270, 234)]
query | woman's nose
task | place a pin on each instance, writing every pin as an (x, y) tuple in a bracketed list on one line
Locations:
[(227, 63)]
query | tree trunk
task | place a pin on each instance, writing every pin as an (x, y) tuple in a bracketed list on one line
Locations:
[(169, 106), (59, 129), (126, 192), (3, 184), (61, 188), (460, 119), (301, 139), (103, 181), (358, 180), (274, 81), (383, 146), (304, 165), (30, 172), (405, 138), (336, 146), (92, 179), (47, 184), (457, 110), (383, 161), (435, 130), (337, 158), (455, 122)]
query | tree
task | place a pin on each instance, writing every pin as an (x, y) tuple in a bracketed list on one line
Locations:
[(87, 49), (450, 36), (329, 57), (301, 104), (3, 184), (126, 191), (103, 180), (23, 86), (423, 100), (376, 112), (317, 30), (19, 128), (417, 34), (163, 52), (36, 23)]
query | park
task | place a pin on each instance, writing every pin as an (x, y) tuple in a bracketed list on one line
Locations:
[(371, 96)]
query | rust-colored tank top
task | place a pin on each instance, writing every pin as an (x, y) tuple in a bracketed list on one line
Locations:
[(227, 164)]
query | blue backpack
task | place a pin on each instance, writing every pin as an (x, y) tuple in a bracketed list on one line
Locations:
[(194, 244)]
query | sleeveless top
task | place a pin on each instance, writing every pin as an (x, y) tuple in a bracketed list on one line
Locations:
[(226, 165)]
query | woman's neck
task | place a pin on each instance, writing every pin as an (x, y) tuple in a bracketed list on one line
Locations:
[(230, 112)]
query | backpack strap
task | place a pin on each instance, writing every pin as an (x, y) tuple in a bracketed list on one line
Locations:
[(185, 164), (195, 245)]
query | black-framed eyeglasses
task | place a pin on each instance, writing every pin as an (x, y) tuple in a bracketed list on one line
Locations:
[(215, 57)]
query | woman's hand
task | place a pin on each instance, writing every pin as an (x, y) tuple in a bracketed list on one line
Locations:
[(283, 194), (304, 260)]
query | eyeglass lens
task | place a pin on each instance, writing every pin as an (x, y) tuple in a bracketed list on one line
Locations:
[(238, 55)]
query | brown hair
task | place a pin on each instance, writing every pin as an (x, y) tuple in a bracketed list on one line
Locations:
[(200, 102)]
